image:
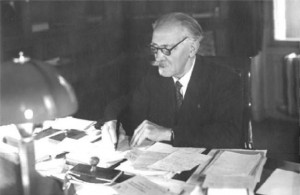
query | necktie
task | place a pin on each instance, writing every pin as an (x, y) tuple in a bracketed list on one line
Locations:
[(179, 97)]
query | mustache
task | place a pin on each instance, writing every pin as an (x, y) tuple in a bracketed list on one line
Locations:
[(158, 63), (154, 63)]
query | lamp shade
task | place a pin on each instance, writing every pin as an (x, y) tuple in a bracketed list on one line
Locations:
[(32, 92)]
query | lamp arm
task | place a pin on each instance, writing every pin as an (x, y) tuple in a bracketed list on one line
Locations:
[(27, 158)]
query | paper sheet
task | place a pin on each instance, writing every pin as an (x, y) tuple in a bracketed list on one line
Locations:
[(281, 182), (44, 149), (9, 131), (129, 169), (68, 123), (181, 160), (147, 159), (83, 152), (173, 185), (162, 147), (143, 159), (94, 189), (139, 185)]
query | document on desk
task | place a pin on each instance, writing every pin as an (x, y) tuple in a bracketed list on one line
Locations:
[(181, 160), (163, 159), (281, 182), (173, 185), (162, 147), (230, 169), (142, 159), (69, 123), (139, 185), (47, 147), (108, 157), (129, 169)]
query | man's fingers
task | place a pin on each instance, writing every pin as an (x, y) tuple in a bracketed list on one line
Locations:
[(139, 134), (136, 131), (122, 133), (92, 131), (134, 139), (109, 134), (139, 128), (141, 138), (112, 131)]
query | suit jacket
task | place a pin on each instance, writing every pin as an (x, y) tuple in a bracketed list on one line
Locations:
[(211, 112)]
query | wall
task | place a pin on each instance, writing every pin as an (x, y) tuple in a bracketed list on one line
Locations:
[(268, 69), (95, 42)]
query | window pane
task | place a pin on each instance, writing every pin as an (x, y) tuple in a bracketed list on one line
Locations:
[(287, 20)]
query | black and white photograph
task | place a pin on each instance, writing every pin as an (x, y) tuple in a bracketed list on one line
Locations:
[(150, 97)]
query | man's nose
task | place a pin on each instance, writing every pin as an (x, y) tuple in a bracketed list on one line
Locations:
[(159, 55)]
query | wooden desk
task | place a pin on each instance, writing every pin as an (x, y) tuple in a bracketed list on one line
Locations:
[(269, 167)]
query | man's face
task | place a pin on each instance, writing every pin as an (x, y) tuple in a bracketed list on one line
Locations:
[(176, 63)]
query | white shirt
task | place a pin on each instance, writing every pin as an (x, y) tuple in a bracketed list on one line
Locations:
[(185, 79)]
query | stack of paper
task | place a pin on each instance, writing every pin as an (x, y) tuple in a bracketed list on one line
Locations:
[(232, 163), (233, 169)]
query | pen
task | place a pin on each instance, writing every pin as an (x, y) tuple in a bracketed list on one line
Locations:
[(117, 134), (43, 159), (90, 125)]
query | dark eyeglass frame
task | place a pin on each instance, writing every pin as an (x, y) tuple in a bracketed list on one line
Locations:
[(165, 50)]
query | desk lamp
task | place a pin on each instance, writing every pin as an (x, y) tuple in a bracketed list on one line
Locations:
[(32, 92)]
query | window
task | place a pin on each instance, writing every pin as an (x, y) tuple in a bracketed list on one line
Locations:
[(286, 20)]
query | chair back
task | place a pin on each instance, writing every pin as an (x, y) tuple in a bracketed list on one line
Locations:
[(242, 67)]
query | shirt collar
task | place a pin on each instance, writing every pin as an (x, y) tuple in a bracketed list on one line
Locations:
[(185, 79)]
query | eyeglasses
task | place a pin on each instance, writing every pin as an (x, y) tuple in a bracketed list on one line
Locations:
[(165, 50)]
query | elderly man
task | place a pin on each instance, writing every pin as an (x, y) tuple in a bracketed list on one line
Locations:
[(184, 99)]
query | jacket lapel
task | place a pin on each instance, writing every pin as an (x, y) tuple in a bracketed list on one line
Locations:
[(195, 87)]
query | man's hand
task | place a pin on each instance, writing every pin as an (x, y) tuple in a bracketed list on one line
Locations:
[(110, 137), (109, 133), (151, 131)]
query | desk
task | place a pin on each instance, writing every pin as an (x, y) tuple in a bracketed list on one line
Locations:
[(269, 167), (273, 164)]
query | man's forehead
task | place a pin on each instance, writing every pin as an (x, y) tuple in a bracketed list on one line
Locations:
[(167, 35)]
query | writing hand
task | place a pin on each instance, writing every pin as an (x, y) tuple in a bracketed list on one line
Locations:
[(109, 133), (92, 130), (151, 131)]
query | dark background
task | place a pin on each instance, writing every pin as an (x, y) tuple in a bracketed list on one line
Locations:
[(102, 44)]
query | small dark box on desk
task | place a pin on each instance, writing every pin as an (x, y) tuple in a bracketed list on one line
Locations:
[(72, 133), (83, 173)]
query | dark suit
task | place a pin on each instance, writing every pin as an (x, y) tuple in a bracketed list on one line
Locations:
[(210, 115)]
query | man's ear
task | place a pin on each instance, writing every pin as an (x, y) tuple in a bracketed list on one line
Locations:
[(194, 48)]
